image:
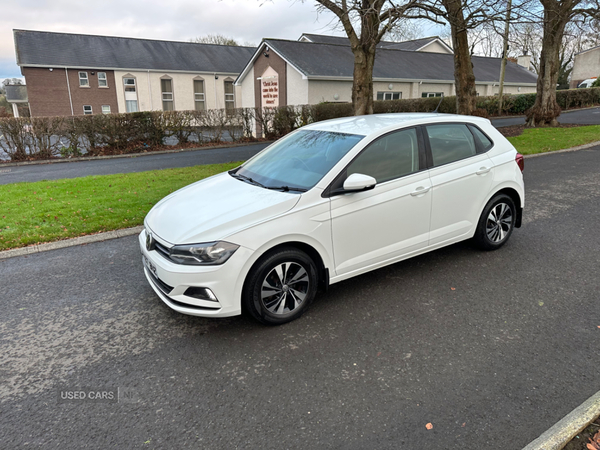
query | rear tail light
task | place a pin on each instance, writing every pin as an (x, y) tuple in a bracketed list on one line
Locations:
[(520, 161)]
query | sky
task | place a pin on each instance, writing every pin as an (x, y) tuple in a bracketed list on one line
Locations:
[(177, 20)]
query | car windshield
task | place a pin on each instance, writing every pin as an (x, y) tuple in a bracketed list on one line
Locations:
[(298, 161)]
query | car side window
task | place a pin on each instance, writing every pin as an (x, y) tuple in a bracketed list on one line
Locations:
[(391, 156), (484, 142), (450, 142)]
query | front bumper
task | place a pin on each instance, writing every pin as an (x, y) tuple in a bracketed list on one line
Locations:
[(170, 281)]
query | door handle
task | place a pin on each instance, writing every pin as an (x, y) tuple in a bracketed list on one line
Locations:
[(483, 170), (420, 191)]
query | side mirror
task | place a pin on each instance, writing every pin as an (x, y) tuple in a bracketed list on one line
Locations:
[(359, 182)]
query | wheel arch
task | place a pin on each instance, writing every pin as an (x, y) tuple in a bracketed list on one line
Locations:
[(310, 250), (516, 198)]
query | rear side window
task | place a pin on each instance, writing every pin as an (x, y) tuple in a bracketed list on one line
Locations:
[(391, 156), (483, 142), (450, 142)]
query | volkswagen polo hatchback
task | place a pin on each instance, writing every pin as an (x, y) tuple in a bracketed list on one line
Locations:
[(327, 202)]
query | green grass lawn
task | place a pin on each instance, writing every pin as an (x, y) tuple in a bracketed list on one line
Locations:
[(47, 211), (541, 140)]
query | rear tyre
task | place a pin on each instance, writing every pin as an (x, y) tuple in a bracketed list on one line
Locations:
[(496, 223), (280, 286)]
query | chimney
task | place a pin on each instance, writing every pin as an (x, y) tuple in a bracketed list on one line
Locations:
[(524, 61)]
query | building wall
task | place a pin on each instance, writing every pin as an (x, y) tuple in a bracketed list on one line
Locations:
[(297, 88), (149, 93), (280, 66), (435, 47), (93, 95), (586, 65), (247, 88), (326, 91), (48, 92), (384, 86)]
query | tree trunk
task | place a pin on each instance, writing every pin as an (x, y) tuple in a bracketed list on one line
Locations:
[(545, 110), (362, 86), (464, 78)]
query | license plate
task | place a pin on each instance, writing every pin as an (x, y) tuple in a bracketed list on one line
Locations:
[(150, 266)]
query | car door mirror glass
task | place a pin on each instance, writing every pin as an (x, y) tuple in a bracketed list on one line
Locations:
[(359, 182)]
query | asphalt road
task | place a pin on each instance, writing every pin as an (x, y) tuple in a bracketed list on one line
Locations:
[(140, 163), (491, 348), (15, 174), (582, 117)]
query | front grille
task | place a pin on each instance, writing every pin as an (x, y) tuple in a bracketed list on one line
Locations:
[(162, 250), (164, 287)]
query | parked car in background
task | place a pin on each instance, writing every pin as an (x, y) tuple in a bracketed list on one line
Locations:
[(586, 83), (328, 202)]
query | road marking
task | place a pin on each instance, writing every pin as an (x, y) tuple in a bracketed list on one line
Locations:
[(4, 171)]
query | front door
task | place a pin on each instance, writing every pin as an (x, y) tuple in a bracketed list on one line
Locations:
[(375, 227)]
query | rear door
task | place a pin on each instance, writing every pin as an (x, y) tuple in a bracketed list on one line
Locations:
[(461, 176)]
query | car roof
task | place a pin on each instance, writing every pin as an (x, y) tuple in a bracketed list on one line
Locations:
[(376, 123)]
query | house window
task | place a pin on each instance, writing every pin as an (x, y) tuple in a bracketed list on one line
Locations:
[(199, 95), (389, 95), (105, 109), (166, 86), (229, 96), (131, 104), (83, 79), (431, 94), (102, 81), (87, 110)]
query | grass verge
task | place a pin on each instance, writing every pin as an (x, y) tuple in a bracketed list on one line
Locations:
[(541, 140), (46, 211)]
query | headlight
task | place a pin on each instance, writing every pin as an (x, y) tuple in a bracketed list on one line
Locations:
[(209, 254)]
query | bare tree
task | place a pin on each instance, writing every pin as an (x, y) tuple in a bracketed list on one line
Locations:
[(463, 16), (557, 14), (365, 23), (405, 30), (217, 39)]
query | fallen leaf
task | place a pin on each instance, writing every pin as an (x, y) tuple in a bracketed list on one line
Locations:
[(453, 288), (464, 424), (429, 426)]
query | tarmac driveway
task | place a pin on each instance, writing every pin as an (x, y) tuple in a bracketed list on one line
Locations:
[(490, 348)]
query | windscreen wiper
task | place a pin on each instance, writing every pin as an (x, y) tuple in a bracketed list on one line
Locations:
[(245, 178), (286, 188)]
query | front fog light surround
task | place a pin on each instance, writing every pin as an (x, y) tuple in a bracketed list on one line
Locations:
[(208, 254), (200, 293)]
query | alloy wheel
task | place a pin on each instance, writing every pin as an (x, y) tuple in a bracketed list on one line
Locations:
[(499, 222), (285, 287)]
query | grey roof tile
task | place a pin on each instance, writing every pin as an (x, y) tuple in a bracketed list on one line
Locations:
[(326, 60), (42, 48), (412, 45)]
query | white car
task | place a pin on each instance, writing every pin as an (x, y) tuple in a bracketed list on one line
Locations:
[(327, 202)]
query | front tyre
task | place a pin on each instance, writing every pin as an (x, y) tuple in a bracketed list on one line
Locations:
[(496, 223), (280, 286)]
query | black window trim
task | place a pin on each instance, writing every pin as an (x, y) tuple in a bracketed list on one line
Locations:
[(479, 149), (329, 191)]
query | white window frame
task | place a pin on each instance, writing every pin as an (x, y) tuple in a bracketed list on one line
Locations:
[(104, 79), (167, 96), (134, 86), (229, 97), (84, 81), (431, 94), (390, 94), (87, 112), (199, 97), (103, 109)]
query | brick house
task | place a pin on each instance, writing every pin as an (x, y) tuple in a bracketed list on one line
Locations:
[(74, 74)]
